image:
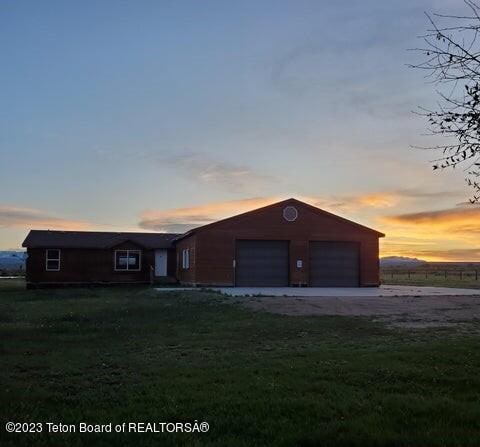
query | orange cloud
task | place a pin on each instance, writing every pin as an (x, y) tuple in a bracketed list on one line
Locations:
[(450, 234), (434, 253), (184, 219), (461, 223), (460, 215), (456, 254), (17, 217), (355, 203), (439, 235), (377, 200)]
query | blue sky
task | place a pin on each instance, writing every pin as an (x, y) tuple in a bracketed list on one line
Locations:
[(116, 113)]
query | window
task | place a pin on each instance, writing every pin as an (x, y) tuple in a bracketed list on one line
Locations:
[(127, 260), (186, 258), (290, 213), (52, 260)]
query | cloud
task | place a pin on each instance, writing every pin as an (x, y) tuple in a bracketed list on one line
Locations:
[(463, 215), (183, 219), (312, 68), (429, 251), (447, 234), (202, 168), (354, 203), (232, 176), (450, 234), (376, 200), (18, 217), (456, 254), (420, 193)]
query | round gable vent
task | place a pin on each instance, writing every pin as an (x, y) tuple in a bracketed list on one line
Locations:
[(290, 213)]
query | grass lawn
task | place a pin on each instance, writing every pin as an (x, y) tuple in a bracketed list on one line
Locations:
[(113, 355), (433, 280)]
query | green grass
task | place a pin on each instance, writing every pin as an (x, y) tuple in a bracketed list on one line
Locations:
[(113, 355), (468, 281)]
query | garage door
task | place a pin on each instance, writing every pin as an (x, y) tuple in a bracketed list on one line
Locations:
[(261, 263), (334, 264)]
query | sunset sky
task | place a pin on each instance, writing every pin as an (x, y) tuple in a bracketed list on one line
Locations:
[(164, 115)]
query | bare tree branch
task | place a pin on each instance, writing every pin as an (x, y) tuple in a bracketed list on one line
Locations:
[(453, 60)]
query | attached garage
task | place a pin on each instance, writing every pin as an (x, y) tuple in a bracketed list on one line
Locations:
[(261, 263), (289, 243), (334, 264)]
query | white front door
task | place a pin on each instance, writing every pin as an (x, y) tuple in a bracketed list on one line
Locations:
[(161, 262)]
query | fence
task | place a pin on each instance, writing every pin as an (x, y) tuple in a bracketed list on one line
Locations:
[(426, 274)]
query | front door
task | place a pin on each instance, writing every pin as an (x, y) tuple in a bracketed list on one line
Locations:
[(161, 262)]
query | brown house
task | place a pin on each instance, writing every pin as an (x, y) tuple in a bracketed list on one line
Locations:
[(289, 243), (93, 257)]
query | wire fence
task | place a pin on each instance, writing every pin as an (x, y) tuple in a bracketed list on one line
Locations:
[(432, 274)]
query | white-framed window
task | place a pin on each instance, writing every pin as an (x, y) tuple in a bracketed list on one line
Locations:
[(127, 260), (186, 258), (52, 259)]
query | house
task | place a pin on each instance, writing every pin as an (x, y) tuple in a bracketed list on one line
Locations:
[(289, 243), (94, 257)]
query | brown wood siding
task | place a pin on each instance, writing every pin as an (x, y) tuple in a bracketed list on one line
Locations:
[(91, 266), (187, 276), (215, 246), (171, 263)]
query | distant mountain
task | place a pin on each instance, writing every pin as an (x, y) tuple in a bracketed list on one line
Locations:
[(400, 261), (12, 261)]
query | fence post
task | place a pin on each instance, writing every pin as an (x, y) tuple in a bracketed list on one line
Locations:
[(461, 274), (445, 274), (409, 274), (426, 273), (476, 275)]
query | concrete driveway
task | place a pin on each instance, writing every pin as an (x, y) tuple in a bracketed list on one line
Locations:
[(412, 307), (382, 291), (401, 311), (396, 306)]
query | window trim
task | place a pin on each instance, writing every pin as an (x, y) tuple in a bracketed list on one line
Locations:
[(186, 258), (47, 259), (128, 255)]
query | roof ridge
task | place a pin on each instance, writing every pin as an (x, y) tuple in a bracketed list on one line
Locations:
[(102, 231), (96, 239)]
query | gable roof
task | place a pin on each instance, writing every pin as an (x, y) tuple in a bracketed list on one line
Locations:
[(95, 239), (290, 201), (106, 239)]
